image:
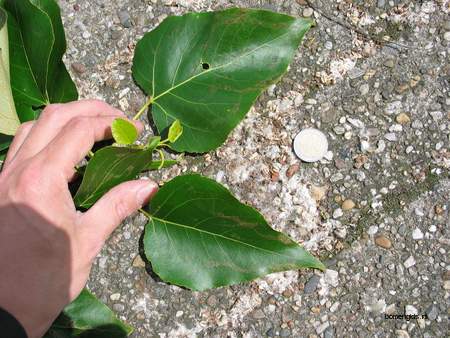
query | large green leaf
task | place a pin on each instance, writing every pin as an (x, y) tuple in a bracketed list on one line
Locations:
[(9, 121), (207, 69), (37, 45), (109, 167), (87, 317), (200, 236)]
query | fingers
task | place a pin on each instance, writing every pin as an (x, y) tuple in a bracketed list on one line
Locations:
[(74, 141), (55, 116), (104, 216), (21, 134)]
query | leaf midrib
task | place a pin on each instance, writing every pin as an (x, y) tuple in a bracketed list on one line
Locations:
[(221, 236)]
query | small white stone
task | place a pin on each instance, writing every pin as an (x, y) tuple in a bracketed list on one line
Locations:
[(411, 310), (409, 262), (432, 228), (115, 296), (396, 128), (179, 314), (436, 115), (310, 145), (348, 135), (331, 277), (307, 12), (373, 229), (390, 137), (417, 234), (338, 213), (447, 36), (409, 149)]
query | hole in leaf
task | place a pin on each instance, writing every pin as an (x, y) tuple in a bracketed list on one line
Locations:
[(205, 65)]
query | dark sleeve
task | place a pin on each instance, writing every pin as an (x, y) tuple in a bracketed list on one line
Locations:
[(10, 327)]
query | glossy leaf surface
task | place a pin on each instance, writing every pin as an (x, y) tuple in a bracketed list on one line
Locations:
[(124, 132), (109, 167), (87, 317), (200, 236), (37, 45), (207, 69), (9, 121)]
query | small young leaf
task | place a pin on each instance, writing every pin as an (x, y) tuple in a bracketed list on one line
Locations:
[(153, 142), (86, 316), (200, 236), (124, 132), (109, 167), (175, 131)]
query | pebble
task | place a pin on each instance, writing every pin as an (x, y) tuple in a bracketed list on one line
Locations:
[(432, 312), (447, 36), (337, 213), (118, 307), (409, 262), (392, 137), (402, 334), (331, 277), (417, 234), (389, 63), (403, 118), (258, 314), (79, 68), (411, 310), (355, 73), (336, 177), (383, 242), (348, 205), (364, 89), (138, 262), (329, 332), (310, 145), (436, 115), (381, 3), (307, 12), (292, 170), (311, 285), (125, 19), (318, 193), (115, 296)]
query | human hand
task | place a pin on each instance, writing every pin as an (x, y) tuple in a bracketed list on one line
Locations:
[(46, 246)]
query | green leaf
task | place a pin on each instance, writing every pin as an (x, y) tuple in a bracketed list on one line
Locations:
[(109, 167), (124, 132), (9, 121), (87, 317), (200, 236), (5, 141), (37, 44), (207, 69), (153, 142), (155, 165), (175, 131)]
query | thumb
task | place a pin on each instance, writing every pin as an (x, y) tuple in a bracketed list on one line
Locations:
[(110, 210)]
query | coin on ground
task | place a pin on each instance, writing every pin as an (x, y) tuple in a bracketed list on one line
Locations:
[(310, 145)]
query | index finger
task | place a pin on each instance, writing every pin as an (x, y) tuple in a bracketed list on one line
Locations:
[(75, 140)]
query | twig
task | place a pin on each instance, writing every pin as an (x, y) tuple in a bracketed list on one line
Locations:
[(365, 35)]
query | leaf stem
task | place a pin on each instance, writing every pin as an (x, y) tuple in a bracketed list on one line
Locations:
[(145, 213), (143, 109)]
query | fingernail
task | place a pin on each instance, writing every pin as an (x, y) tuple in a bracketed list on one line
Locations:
[(146, 192)]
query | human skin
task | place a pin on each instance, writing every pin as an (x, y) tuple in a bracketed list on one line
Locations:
[(47, 247)]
